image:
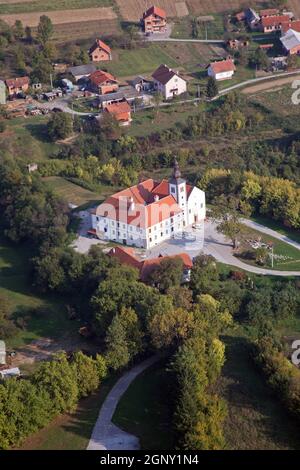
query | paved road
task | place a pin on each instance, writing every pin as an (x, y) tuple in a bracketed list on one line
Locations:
[(272, 233), (107, 436)]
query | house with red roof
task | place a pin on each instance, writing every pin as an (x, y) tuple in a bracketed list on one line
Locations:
[(154, 20), (270, 24), (294, 25), (17, 85), (168, 82), (103, 82), (121, 111), (221, 70), (100, 51), (126, 255), (150, 212)]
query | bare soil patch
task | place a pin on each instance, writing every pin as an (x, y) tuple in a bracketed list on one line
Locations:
[(132, 10), (62, 16)]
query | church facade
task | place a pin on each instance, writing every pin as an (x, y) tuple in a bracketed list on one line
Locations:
[(150, 213)]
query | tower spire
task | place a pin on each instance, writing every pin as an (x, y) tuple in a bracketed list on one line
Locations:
[(176, 170)]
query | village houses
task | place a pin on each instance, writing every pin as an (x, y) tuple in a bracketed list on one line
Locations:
[(149, 213), (100, 52), (103, 82), (168, 83), (18, 85), (222, 70), (154, 20), (121, 111)]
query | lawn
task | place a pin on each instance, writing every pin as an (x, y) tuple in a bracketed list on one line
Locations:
[(71, 432), (15, 285), (292, 255), (26, 138), (75, 194), (293, 234), (143, 60), (144, 410), (256, 419), (149, 121)]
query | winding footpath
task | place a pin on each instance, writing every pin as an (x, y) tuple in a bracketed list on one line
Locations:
[(106, 435)]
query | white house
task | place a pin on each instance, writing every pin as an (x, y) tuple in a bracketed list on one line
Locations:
[(222, 70), (149, 213), (168, 83)]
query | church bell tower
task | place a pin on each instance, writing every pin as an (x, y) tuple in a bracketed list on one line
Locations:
[(177, 188)]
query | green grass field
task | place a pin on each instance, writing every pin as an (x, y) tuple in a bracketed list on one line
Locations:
[(256, 419), (15, 285), (72, 193), (144, 410), (209, 30), (26, 138), (280, 249), (293, 234), (48, 5), (127, 63)]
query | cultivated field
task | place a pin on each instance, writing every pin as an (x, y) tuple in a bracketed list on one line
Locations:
[(62, 16), (205, 7), (294, 5), (27, 6), (132, 10)]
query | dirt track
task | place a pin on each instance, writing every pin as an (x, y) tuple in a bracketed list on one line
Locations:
[(270, 84), (62, 16)]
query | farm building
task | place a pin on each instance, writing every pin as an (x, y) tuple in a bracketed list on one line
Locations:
[(291, 42), (222, 70), (121, 111), (252, 19), (149, 213), (100, 51), (2, 353), (236, 44), (142, 84), (126, 255), (154, 20), (81, 71), (18, 85), (168, 83), (103, 82), (268, 12), (2, 92)]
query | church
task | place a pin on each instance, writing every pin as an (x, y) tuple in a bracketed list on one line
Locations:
[(150, 213)]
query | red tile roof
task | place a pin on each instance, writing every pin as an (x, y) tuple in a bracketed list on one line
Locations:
[(101, 45), (126, 255), (155, 11), (121, 107), (226, 65), (17, 82), (295, 25), (149, 264), (147, 210), (100, 77), (270, 21)]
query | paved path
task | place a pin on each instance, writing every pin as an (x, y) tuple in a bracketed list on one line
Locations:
[(107, 436), (215, 244), (272, 233)]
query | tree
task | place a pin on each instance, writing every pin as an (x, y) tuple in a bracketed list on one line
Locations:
[(60, 126), (170, 328), (157, 99), (228, 220), (261, 255), (212, 89), (260, 59), (58, 378), (87, 375), (45, 30), (19, 29), (110, 126), (28, 34), (168, 273), (124, 339)]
